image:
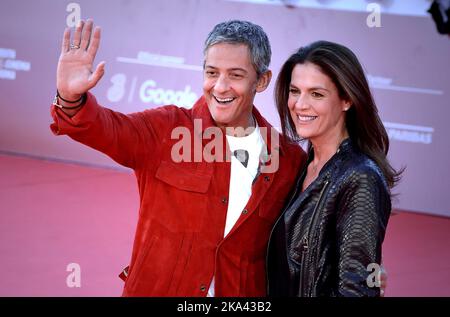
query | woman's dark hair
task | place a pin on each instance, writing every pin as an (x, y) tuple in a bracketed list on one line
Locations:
[(363, 123)]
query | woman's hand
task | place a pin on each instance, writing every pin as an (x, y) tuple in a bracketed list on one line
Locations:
[(74, 75), (383, 280)]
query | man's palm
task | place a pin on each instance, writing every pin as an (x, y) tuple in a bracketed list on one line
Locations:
[(74, 75)]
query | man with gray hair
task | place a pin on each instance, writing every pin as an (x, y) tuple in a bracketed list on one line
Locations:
[(212, 179)]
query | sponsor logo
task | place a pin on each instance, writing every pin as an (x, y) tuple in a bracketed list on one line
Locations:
[(149, 92), (9, 65), (385, 83), (150, 59), (409, 133)]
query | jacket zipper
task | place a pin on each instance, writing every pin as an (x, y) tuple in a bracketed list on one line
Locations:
[(306, 237), (305, 248)]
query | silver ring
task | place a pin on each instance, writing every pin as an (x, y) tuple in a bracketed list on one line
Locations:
[(73, 46)]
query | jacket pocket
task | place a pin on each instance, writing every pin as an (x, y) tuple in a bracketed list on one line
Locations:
[(152, 273), (183, 178), (181, 198), (137, 267)]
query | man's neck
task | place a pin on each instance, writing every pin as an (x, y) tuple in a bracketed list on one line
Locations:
[(241, 131)]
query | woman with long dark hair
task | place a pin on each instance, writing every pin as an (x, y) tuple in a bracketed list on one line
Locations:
[(328, 239)]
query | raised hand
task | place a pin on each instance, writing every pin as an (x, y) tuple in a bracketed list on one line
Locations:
[(75, 74)]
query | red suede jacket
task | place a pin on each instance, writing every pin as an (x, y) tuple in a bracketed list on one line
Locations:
[(179, 243)]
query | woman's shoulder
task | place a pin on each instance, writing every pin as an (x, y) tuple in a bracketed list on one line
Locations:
[(360, 167)]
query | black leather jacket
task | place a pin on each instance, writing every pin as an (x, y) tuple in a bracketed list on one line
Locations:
[(327, 235)]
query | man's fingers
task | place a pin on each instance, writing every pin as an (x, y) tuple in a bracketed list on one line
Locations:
[(95, 42), (383, 281), (65, 41), (86, 34), (97, 75), (77, 33)]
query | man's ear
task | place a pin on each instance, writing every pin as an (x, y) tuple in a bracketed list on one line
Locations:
[(263, 81)]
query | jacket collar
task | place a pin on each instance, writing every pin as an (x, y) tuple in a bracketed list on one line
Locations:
[(345, 146)]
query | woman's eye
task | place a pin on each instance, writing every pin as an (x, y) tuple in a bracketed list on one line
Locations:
[(316, 95), (294, 91)]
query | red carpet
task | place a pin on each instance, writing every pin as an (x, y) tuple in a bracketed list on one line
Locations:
[(53, 214), (416, 253)]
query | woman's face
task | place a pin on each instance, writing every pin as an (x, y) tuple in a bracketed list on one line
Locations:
[(315, 106)]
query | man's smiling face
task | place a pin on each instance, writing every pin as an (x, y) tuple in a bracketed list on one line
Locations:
[(230, 84)]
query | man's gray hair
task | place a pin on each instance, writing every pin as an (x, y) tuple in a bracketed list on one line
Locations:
[(243, 32)]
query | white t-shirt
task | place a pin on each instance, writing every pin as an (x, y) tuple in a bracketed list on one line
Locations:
[(241, 178)]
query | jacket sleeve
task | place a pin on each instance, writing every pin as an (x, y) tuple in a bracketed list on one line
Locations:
[(127, 139), (362, 218)]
